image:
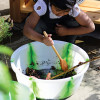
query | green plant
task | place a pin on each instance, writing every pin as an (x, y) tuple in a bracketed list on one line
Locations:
[(5, 77), (5, 28), (11, 90)]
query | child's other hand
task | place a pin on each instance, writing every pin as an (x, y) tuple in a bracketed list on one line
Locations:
[(48, 40), (60, 30)]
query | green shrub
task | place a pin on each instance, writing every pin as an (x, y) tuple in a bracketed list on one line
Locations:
[(5, 28)]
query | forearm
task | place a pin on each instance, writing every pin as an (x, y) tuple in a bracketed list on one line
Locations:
[(77, 31), (33, 35)]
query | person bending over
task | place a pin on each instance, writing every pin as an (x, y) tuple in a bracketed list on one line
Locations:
[(62, 18)]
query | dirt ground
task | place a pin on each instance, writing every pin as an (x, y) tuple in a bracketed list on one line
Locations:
[(90, 86)]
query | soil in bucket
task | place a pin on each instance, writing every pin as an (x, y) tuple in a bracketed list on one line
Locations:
[(45, 73)]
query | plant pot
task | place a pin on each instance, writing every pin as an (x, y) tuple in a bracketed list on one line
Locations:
[(44, 57)]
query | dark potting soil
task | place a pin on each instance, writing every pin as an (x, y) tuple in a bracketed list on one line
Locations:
[(42, 74)]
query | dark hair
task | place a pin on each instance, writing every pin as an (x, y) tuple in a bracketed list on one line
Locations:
[(63, 4)]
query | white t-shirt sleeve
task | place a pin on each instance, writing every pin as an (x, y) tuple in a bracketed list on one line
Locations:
[(74, 11), (40, 7)]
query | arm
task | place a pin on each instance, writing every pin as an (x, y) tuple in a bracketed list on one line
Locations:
[(86, 23), (29, 26), (29, 31)]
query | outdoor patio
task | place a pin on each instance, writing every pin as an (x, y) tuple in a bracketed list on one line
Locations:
[(90, 86)]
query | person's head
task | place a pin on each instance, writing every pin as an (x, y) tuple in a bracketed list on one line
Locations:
[(61, 7)]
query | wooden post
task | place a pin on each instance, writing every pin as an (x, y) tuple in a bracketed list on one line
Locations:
[(15, 12)]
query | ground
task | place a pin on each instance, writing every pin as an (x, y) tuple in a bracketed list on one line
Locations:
[(90, 86)]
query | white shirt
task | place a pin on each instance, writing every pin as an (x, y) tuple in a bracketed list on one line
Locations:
[(41, 8)]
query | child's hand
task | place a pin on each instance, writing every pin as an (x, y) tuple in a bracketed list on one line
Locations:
[(48, 40), (61, 30)]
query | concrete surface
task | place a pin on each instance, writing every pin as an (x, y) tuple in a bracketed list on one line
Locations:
[(4, 4), (90, 86)]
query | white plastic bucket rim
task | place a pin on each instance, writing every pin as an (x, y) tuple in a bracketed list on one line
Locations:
[(20, 73)]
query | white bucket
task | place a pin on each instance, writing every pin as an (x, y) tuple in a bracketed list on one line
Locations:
[(45, 58)]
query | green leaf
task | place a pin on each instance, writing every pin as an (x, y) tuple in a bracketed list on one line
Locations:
[(6, 50), (5, 78)]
